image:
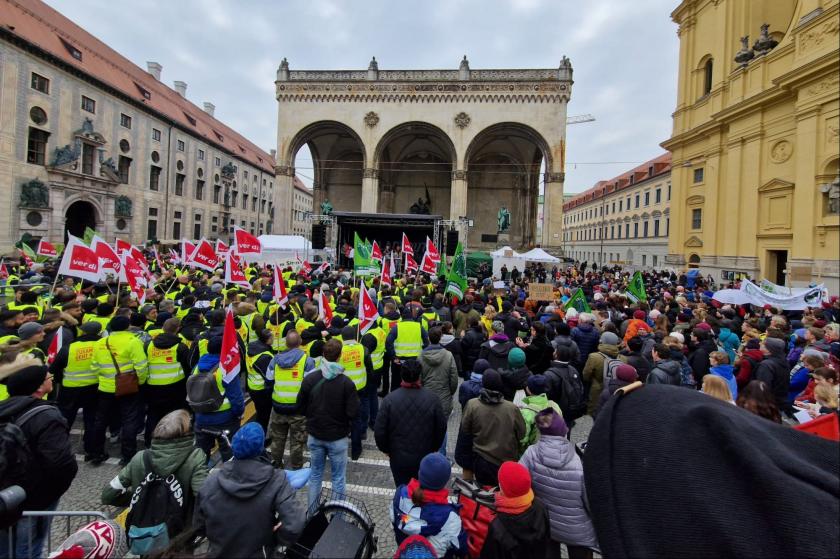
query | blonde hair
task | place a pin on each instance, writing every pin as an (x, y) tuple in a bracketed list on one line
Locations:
[(716, 387), (173, 425), (826, 395)]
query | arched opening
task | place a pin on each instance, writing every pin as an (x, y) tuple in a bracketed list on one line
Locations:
[(694, 261), (829, 185), (707, 76), (415, 161), (337, 158), (79, 215), (503, 164)]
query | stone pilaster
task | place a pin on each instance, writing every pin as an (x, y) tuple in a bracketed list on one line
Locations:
[(458, 195), (552, 231), (370, 191)]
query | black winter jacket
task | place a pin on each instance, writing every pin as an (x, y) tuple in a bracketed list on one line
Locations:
[(639, 363), (521, 536), (666, 371), (470, 348), (774, 371), (329, 409)]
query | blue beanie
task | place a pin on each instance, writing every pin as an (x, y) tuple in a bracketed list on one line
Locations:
[(249, 441), (480, 366), (434, 471), (516, 358)]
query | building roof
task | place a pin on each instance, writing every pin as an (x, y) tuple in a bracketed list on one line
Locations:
[(302, 187), (42, 27), (647, 170)]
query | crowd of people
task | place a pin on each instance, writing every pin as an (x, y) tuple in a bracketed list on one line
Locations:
[(523, 371)]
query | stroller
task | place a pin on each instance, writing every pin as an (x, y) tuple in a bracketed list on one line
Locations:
[(478, 509)]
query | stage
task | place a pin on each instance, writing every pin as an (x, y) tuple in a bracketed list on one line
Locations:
[(385, 229)]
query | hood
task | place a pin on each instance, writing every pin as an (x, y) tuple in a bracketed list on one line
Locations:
[(465, 307), (15, 405), (499, 338), (437, 304), (500, 349), (393, 315), (608, 349), (491, 397), (434, 355), (166, 341), (168, 455), (537, 403), (207, 361), (446, 339), (554, 451), (754, 354), (723, 370), (243, 479), (257, 347), (288, 358), (585, 327), (671, 367)]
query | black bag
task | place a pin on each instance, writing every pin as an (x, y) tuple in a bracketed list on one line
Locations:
[(569, 393), (15, 456), (157, 512), (203, 392)]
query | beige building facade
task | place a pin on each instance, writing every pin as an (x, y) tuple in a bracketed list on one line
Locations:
[(301, 205), (88, 139), (463, 142), (755, 144), (623, 221)]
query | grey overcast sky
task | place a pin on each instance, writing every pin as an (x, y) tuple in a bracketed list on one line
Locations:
[(624, 55)]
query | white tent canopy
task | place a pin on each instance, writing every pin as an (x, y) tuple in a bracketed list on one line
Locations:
[(281, 248), (539, 255), (504, 252)]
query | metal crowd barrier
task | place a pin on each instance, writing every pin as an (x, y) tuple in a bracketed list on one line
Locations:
[(69, 528)]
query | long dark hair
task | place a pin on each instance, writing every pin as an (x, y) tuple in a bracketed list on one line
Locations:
[(757, 398)]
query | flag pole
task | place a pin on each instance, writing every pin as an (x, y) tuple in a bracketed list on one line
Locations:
[(52, 289)]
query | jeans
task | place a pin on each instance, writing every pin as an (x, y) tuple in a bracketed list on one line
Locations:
[(205, 441), (29, 534), (360, 424), (70, 399), (319, 450), (442, 448), (128, 408)]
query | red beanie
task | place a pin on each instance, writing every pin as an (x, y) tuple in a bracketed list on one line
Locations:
[(639, 314), (514, 479)]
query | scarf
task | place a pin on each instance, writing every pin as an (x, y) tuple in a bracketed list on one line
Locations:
[(438, 496), (514, 505), (330, 370), (490, 396), (415, 384)]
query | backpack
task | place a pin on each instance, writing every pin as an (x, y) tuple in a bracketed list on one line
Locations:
[(203, 392), (686, 374), (610, 365), (15, 457), (156, 513), (570, 396)]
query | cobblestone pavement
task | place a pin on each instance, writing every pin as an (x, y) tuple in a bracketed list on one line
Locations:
[(368, 479)]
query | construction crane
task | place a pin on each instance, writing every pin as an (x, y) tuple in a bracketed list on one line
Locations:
[(578, 119)]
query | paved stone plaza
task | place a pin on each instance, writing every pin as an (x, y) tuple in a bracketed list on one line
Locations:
[(369, 479)]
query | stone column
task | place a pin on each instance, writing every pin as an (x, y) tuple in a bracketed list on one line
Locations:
[(318, 196), (370, 191), (283, 212), (458, 195), (552, 231)]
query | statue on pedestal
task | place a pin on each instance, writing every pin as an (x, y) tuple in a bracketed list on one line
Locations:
[(422, 207), (503, 218), (326, 207)]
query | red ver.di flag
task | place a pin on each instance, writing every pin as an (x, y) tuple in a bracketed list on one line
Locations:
[(187, 248), (410, 264), (204, 256), (324, 310), (428, 265), (376, 253), (432, 251), (55, 346), (221, 247), (234, 273), (123, 246), (46, 249), (229, 360), (387, 272), (109, 257), (280, 294), (245, 243), (79, 261), (367, 310), (406, 246)]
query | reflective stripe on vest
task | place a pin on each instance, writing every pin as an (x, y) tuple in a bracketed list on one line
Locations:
[(279, 342), (164, 367), (287, 382), (353, 360), (409, 342), (255, 380), (78, 370), (302, 325), (378, 355)]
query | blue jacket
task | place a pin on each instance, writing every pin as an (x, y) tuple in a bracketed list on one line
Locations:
[(587, 338), (799, 378), (233, 393), (725, 372), (438, 523), (469, 389)]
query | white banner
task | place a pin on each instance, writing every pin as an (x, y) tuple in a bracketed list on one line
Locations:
[(751, 293)]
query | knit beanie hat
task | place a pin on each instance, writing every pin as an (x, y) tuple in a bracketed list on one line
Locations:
[(626, 373), (703, 326), (91, 327), (118, 324), (654, 314), (639, 314), (609, 338), (28, 330), (774, 344), (27, 380), (786, 465), (480, 366), (516, 358), (514, 479), (536, 384), (492, 380), (551, 423), (249, 441), (434, 471), (680, 338), (498, 326)]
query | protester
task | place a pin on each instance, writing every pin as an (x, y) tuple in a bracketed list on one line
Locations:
[(597, 364), (757, 398), (439, 374), (717, 386)]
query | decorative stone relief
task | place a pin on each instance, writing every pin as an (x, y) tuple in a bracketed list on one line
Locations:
[(814, 38), (459, 175), (826, 85), (555, 177), (369, 173), (65, 155), (34, 194), (228, 171), (371, 119), (462, 120), (781, 151), (122, 206)]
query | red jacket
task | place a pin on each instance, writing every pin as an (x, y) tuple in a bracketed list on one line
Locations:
[(746, 370)]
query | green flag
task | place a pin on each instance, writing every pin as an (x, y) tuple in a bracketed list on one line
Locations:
[(442, 265), (457, 275), (578, 301), (636, 288), (362, 264), (88, 236)]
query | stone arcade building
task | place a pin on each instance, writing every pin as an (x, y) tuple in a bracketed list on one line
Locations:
[(467, 141)]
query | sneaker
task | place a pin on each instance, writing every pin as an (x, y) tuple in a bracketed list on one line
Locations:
[(98, 459), (355, 454)]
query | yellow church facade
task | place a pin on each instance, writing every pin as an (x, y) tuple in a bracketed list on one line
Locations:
[(755, 141)]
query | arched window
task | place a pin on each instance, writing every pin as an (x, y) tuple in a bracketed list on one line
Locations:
[(693, 261), (707, 76)]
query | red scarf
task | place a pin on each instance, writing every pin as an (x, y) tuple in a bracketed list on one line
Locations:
[(415, 384), (514, 505), (438, 496)]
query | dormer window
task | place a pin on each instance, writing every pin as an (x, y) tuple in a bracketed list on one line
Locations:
[(74, 52)]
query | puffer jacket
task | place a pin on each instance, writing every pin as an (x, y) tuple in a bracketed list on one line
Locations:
[(496, 350), (561, 340), (470, 347), (587, 339), (666, 371), (775, 373), (557, 480), (439, 375), (513, 380), (593, 372)]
